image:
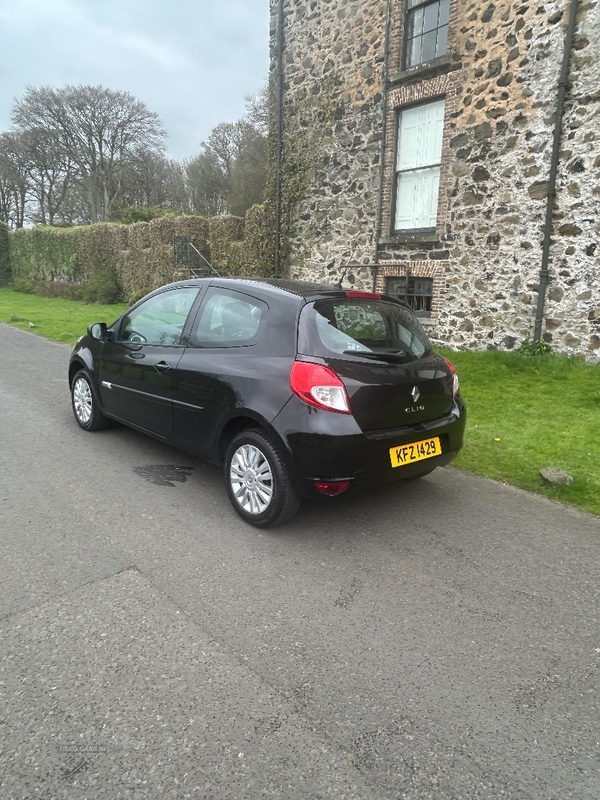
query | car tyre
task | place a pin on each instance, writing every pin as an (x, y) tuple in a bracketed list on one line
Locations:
[(85, 404), (258, 481)]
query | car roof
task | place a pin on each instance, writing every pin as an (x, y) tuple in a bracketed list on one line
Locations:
[(303, 289), (300, 288), (284, 287)]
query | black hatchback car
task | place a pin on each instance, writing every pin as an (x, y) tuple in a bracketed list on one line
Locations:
[(294, 389)]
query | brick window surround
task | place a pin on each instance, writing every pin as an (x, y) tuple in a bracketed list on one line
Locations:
[(436, 270), (438, 87), (415, 291)]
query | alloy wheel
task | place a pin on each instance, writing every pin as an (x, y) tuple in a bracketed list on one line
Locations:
[(82, 400), (251, 479)]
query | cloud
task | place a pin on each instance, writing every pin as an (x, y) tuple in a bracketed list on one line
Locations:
[(191, 61)]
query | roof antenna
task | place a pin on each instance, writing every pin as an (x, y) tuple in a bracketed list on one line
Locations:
[(338, 285)]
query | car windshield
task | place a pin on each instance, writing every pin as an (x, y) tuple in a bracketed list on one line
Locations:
[(374, 329)]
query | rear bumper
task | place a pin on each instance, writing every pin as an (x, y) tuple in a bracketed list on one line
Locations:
[(325, 446)]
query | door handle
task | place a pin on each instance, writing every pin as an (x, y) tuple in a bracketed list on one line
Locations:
[(162, 366), (136, 355)]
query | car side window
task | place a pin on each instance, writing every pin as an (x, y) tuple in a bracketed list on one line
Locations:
[(160, 319), (410, 340), (228, 319)]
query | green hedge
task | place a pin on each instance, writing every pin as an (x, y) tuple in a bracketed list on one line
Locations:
[(5, 270), (242, 246), (79, 263), (110, 262)]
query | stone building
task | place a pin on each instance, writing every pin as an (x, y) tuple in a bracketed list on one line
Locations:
[(416, 142)]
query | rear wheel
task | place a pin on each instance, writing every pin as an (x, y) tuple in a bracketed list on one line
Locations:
[(85, 405), (258, 481)]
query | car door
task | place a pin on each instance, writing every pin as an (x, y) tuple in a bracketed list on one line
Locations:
[(222, 367), (137, 368)]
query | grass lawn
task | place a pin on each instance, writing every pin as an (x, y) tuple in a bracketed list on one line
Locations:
[(524, 413), (61, 320), (529, 413)]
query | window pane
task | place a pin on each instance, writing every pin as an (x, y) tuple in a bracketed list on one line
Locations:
[(414, 52), (227, 319), (444, 12), (414, 23), (421, 286), (430, 22), (360, 321), (420, 136), (160, 320), (408, 139), (427, 22), (417, 199), (396, 286), (352, 326), (442, 41), (429, 46)]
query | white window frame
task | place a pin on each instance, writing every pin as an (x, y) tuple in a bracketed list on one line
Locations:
[(418, 164)]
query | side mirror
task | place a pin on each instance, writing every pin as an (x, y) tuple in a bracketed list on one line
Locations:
[(98, 331)]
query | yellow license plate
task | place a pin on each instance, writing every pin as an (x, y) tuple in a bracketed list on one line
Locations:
[(416, 451)]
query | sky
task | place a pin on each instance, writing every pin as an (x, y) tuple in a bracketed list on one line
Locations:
[(191, 61)]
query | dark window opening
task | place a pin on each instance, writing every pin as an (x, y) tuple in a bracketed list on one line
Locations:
[(415, 292), (426, 31)]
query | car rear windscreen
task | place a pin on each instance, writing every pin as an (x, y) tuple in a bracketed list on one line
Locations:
[(359, 327)]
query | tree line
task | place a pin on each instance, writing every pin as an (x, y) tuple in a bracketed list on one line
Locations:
[(85, 154)]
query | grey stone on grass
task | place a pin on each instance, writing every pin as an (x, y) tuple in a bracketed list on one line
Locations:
[(555, 476)]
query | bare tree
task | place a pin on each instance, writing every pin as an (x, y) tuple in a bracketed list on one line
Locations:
[(230, 173), (14, 175), (249, 173), (258, 109), (226, 144), (206, 185), (151, 180), (51, 174), (99, 129)]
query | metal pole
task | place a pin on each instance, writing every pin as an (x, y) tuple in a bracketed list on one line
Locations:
[(551, 195), (386, 55), (279, 136)]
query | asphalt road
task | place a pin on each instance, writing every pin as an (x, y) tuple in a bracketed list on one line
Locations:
[(437, 640)]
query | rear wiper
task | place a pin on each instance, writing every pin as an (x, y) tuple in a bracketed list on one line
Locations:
[(392, 355)]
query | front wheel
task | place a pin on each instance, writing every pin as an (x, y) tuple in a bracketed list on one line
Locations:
[(85, 405), (258, 481)]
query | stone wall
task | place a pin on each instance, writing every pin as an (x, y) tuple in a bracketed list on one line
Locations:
[(333, 71), (501, 142), (499, 79)]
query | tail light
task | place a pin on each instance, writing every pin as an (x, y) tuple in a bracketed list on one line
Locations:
[(364, 295), (452, 369), (331, 488), (319, 386)]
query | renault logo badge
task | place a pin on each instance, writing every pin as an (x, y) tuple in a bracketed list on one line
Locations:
[(415, 394)]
